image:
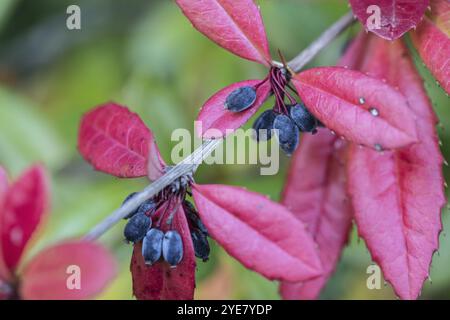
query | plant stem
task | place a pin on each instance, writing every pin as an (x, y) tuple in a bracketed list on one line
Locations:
[(189, 165)]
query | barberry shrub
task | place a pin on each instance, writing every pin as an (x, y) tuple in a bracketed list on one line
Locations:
[(170, 233), (368, 152), (23, 206)]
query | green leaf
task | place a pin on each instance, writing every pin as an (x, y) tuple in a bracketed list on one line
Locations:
[(25, 136)]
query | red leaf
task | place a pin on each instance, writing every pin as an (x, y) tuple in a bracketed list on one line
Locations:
[(4, 272), (432, 40), (214, 116), (263, 235), (51, 275), (396, 16), (160, 281), (234, 25), (115, 141), (342, 100), (354, 55), (397, 196), (316, 193), (26, 201)]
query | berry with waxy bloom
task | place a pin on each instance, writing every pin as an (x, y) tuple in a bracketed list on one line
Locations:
[(152, 246), (303, 119), (137, 227), (288, 133), (147, 207), (172, 248), (193, 217), (263, 125), (240, 99)]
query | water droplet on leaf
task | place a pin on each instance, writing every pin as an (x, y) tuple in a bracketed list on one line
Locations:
[(374, 112), (378, 147)]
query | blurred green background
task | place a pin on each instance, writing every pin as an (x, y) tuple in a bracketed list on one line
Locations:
[(145, 54)]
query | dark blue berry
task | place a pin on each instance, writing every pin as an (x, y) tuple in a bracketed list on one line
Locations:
[(264, 124), (147, 206), (201, 245), (288, 133), (172, 248), (131, 195), (304, 120), (193, 217), (152, 246), (240, 99), (137, 227), (189, 207)]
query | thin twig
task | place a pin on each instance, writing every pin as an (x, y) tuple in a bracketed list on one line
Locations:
[(190, 164)]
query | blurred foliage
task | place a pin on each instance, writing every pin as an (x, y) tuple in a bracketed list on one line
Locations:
[(146, 55)]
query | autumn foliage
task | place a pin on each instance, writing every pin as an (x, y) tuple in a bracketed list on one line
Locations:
[(370, 156)]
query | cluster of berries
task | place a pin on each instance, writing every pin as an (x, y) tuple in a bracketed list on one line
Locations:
[(287, 119), (169, 244)]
